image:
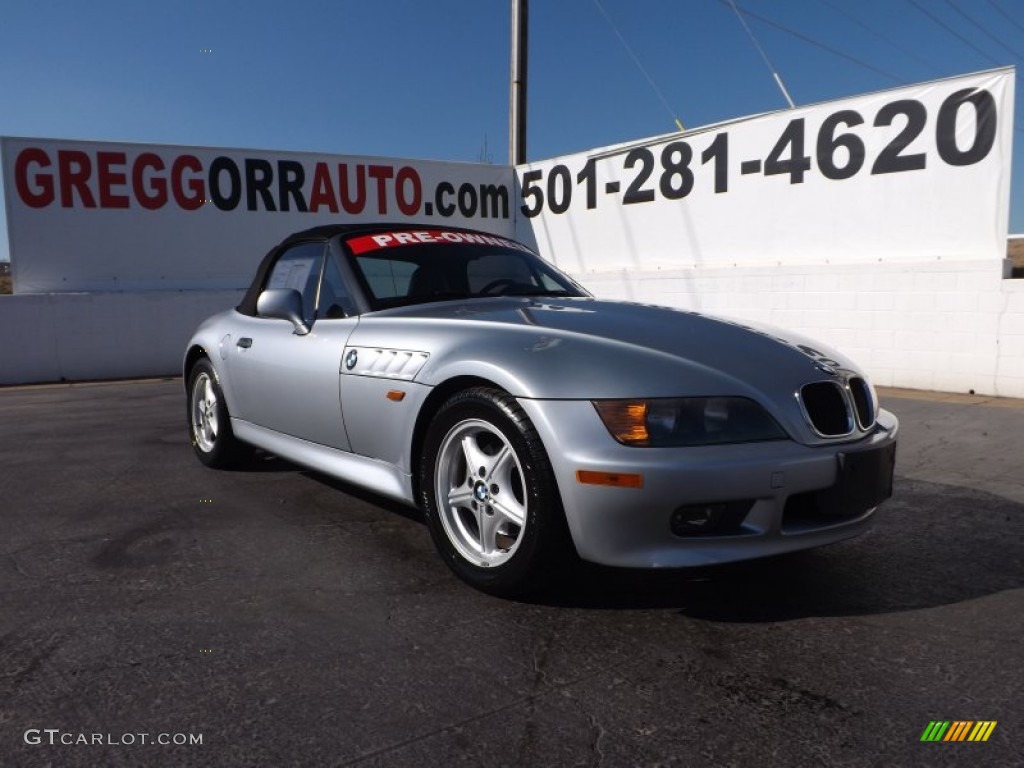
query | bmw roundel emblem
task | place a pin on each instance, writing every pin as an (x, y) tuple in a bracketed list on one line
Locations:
[(351, 359), (826, 369)]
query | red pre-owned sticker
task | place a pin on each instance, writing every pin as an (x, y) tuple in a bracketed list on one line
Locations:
[(366, 243)]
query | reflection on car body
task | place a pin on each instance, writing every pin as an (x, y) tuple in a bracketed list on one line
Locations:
[(458, 371)]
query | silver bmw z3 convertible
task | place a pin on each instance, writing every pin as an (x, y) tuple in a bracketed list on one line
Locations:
[(459, 372)]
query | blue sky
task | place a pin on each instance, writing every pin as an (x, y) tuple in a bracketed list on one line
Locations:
[(413, 78)]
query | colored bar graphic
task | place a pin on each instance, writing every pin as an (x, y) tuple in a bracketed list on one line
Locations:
[(982, 730), (935, 730), (958, 730)]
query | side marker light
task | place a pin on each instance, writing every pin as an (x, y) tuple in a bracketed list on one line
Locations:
[(614, 479)]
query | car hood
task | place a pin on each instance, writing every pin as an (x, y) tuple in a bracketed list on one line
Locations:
[(592, 348)]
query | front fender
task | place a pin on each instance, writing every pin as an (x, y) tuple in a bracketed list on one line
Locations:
[(208, 340)]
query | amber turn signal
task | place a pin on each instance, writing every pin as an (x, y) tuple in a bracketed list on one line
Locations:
[(614, 479), (625, 419)]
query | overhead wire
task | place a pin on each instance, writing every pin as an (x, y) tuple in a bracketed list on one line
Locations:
[(984, 31), (885, 39), (816, 43), (640, 66), (1005, 15), (764, 56), (742, 12), (952, 31)]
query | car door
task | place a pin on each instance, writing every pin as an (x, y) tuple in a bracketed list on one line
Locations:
[(290, 382)]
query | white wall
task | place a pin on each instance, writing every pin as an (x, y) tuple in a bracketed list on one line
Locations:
[(940, 325), (948, 326), (79, 336), (1010, 340)]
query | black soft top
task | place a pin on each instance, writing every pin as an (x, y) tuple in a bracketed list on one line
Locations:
[(325, 233)]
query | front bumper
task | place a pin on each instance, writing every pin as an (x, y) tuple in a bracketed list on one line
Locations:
[(793, 490)]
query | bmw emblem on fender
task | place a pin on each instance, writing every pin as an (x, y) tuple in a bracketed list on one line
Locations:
[(351, 359)]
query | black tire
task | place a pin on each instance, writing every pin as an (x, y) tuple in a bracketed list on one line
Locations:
[(499, 524), (209, 423)]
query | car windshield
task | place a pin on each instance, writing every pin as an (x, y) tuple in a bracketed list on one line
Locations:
[(402, 268)]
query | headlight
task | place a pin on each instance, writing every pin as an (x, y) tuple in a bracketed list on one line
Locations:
[(687, 421)]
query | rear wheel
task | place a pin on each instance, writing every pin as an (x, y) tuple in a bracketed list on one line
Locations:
[(489, 494), (209, 421)]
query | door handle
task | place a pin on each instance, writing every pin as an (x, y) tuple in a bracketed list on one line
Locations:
[(245, 342)]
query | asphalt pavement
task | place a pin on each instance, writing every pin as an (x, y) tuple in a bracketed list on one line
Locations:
[(281, 618)]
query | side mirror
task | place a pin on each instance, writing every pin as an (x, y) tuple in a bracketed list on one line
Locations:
[(283, 304)]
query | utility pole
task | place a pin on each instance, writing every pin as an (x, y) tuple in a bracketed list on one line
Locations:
[(517, 83)]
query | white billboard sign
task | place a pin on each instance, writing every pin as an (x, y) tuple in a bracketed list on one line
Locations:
[(915, 173), (912, 174), (96, 216)]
